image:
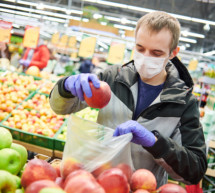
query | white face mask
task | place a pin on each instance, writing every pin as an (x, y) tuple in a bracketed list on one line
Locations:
[(146, 66)]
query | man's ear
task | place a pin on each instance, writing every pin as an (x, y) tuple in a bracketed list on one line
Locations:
[(174, 52)]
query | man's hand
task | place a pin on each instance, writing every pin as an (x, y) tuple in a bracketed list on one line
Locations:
[(25, 63), (141, 135), (79, 84)]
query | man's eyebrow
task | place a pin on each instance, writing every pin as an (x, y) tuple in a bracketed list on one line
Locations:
[(158, 51)]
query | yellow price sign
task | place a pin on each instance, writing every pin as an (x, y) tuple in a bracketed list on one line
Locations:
[(132, 54), (31, 36), (55, 38), (87, 47), (63, 41), (5, 29), (72, 42), (193, 65), (116, 53)]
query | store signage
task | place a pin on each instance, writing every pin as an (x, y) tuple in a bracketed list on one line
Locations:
[(132, 54), (31, 36), (87, 46), (63, 41), (72, 42), (193, 65), (5, 31), (116, 53), (55, 38)]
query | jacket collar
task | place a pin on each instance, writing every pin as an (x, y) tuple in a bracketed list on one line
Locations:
[(177, 85)]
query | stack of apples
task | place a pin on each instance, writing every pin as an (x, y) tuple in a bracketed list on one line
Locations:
[(35, 116), (69, 176), (47, 87), (13, 157)]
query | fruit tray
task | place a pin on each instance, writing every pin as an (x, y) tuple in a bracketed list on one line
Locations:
[(34, 122)]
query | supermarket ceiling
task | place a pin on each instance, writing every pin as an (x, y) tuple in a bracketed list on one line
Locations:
[(197, 17)]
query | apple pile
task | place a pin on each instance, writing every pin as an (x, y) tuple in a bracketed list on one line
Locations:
[(35, 116), (69, 176), (13, 157)]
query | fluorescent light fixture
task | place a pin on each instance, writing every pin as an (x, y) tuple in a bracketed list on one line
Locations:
[(123, 27), (11, 1), (124, 20), (85, 19), (149, 10), (27, 3), (113, 18), (55, 19), (97, 16), (188, 40), (187, 33), (102, 44), (103, 23), (40, 6), (210, 53)]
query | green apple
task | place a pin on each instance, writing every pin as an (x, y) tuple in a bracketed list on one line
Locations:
[(5, 138), (10, 160), (19, 191), (51, 190), (7, 182), (22, 151), (18, 181)]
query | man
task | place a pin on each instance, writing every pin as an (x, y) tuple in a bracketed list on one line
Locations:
[(151, 98)]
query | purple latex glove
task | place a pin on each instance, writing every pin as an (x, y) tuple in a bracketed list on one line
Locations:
[(25, 63), (77, 84), (141, 135)]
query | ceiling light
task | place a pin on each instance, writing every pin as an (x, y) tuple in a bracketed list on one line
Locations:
[(11, 1), (103, 23), (124, 20), (188, 40), (85, 19), (209, 53), (26, 3), (123, 27), (187, 33), (150, 10), (97, 16), (112, 18), (40, 6)]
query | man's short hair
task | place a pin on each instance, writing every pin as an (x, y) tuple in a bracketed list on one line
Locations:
[(158, 20)]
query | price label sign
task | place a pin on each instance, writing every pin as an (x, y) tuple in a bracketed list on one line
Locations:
[(31, 36), (55, 38), (63, 41), (116, 53), (72, 42), (87, 47), (5, 31)]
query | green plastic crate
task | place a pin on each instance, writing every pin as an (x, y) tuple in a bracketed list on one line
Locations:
[(31, 138)]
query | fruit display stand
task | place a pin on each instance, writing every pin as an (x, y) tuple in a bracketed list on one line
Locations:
[(25, 111)]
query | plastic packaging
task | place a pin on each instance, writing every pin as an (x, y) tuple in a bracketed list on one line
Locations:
[(93, 145)]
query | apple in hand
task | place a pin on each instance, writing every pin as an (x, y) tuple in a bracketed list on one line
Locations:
[(36, 186), (100, 96), (22, 151), (10, 160), (37, 169), (5, 138), (114, 180), (7, 182), (69, 165), (143, 179)]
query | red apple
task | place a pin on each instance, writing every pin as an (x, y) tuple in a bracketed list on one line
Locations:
[(56, 166), (171, 188), (36, 186), (114, 180), (126, 169), (83, 184), (143, 179), (101, 169), (69, 165), (141, 191), (59, 181), (100, 96), (82, 173), (37, 169)]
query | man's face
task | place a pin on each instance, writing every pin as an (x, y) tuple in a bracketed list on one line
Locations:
[(153, 44)]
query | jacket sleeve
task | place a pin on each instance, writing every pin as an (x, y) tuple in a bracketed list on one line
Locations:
[(186, 162), (63, 102), (42, 60)]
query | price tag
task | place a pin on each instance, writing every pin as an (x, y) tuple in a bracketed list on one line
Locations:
[(5, 31), (31, 36)]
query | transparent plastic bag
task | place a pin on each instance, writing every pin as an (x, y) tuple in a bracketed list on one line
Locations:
[(93, 145)]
